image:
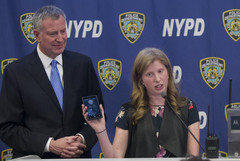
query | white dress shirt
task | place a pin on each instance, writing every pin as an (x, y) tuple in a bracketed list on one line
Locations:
[(46, 61)]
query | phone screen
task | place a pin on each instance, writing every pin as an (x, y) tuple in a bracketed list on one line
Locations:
[(93, 108)]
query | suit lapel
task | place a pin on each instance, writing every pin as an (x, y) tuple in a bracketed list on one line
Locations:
[(67, 76), (39, 74)]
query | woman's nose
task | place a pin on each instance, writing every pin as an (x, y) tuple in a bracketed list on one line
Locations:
[(157, 78)]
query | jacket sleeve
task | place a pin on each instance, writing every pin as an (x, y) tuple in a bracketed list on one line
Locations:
[(93, 89), (12, 129)]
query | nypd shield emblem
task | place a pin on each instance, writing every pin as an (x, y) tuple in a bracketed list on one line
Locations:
[(110, 71), (233, 105), (231, 21), (212, 70), (6, 62), (132, 25), (7, 154), (27, 27)]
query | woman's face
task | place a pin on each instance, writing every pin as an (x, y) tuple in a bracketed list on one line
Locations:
[(155, 78)]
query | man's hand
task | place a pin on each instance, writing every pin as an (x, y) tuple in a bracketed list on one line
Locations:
[(75, 147), (57, 146), (67, 147)]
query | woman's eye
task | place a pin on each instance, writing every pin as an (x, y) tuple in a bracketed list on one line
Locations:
[(149, 74)]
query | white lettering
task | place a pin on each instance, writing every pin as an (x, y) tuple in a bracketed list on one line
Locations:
[(85, 26), (168, 28), (69, 28), (77, 27), (97, 26), (197, 31), (177, 74), (203, 119), (179, 26), (183, 25), (188, 26)]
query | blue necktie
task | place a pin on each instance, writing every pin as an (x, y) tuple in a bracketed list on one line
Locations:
[(56, 82)]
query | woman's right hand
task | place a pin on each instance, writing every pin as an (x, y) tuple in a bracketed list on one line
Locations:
[(97, 124)]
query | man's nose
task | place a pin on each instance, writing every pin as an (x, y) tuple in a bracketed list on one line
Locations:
[(59, 37)]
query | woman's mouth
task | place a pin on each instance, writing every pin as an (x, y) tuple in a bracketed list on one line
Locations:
[(159, 86)]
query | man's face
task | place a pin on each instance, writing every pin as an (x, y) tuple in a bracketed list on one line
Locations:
[(52, 38)]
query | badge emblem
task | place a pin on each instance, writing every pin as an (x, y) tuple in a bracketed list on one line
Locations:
[(231, 21), (233, 105), (6, 62), (101, 155), (110, 71), (27, 27), (212, 70), (132, 25), (7, 154)]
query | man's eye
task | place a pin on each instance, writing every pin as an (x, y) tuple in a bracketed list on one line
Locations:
[(51, 34)]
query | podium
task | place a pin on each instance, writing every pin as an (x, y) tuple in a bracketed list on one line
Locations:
[(36, 158), (233, 132)]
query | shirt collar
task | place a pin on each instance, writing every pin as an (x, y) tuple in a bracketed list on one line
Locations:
[(47, 60)]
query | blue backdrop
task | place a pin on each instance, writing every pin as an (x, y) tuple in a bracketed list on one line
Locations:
[(200, 37)]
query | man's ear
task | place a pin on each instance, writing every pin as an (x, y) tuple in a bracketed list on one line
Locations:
[(36, 34)]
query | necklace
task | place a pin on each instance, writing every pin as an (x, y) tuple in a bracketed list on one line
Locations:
[(156, 105)]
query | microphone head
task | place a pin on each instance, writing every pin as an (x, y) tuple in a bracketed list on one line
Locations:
[(164, 95)]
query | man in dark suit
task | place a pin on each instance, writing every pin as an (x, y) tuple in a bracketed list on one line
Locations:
[(32, 119)]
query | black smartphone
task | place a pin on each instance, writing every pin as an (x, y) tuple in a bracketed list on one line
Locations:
[(93, 108)]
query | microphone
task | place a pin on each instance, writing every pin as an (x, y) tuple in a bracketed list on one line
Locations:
[(164, 95)]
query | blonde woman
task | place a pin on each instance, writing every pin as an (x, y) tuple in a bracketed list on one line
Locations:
[(147, 126)]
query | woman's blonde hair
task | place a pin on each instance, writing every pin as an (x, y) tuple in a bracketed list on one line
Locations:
[(139, 97)]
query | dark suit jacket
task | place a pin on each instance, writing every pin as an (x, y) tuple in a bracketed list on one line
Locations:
[(29, 109)]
